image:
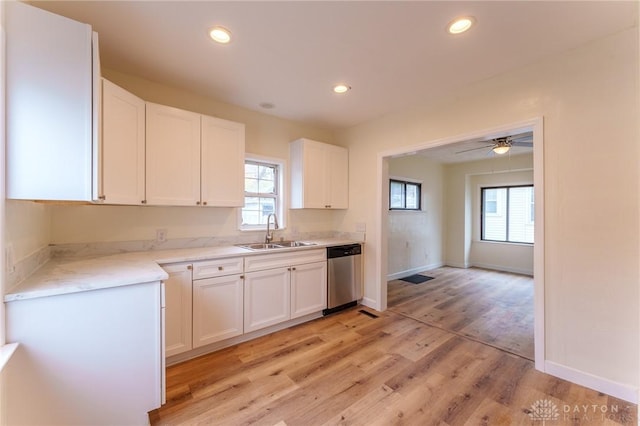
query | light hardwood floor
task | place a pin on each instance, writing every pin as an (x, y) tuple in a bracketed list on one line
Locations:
[(353, 369), (495, 308)]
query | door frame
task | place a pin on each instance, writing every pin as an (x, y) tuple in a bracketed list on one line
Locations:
[(534, 125)]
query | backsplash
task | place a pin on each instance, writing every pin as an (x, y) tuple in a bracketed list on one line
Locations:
[(27, 266), (83, 250)]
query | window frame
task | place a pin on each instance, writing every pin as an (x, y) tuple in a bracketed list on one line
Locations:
[(278, 196), (530, 206), (405, 182)]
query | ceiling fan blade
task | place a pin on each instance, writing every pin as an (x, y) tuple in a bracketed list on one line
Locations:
[(524, 144), (474, 149)]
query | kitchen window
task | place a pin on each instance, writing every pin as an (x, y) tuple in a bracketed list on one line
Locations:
[(508, 214), (404, 195), (262, 193)]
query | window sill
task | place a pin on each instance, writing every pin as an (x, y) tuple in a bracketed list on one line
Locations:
[(503, 242), (6, 352)]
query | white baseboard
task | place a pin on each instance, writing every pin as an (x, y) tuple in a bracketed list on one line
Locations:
[(370, 303), (457, 265), (503, 268), (619, 390), (413, 271)]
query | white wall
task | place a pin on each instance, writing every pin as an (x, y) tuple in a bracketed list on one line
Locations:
[(415, 237), (462, 182), (265, 135), (589, 100)]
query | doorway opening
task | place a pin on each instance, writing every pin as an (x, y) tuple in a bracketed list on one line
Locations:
[(457, 249)]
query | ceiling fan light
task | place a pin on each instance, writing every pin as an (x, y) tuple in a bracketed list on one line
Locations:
[(501, 149)]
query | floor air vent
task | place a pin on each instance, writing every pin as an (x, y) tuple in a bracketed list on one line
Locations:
[(369, 314)]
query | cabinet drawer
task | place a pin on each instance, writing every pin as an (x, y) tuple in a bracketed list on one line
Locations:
[(287, 258), (217, 268)]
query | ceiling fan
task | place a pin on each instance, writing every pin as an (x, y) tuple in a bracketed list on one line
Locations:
[(502, 145)]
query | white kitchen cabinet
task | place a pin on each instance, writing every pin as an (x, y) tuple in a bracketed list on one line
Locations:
[(217, 309), (222, 175), (282, 286), (319, 175), (93, 357), (122, 156), (308, 288), (52, 89), (178, 310), (172, 156), (266, 298)]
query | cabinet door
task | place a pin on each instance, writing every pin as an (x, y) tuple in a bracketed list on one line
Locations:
[(178, 309), (217, 309), (266, 298), (222, 178), (172, 156), (123, 140), (337, 177), (315, 176), (49, 97), (308, 288)]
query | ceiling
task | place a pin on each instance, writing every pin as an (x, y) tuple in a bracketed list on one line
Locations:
[(393, 54)]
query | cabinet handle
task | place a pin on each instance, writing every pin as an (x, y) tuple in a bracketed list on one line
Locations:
[(327, 206), (220, 268), (204, 203), (197, 203), (143, 202), (293, 269), (288, 269), (102, 197), (189, 267), (242, 277)]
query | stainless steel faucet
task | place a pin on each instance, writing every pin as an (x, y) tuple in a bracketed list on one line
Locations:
[(269, 237)]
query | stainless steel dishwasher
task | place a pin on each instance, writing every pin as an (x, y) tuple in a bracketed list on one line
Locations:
[(344, 277)]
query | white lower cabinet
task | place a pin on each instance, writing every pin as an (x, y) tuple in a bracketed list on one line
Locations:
[(266, 298), (308, 289), (212, 301), (217, 309), (283, 286), (178, 300)]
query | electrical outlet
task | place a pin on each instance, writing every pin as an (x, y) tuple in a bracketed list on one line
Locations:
[(161, 235), (10, 258)]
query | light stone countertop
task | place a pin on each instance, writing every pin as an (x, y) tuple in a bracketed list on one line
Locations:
[(64, 276)]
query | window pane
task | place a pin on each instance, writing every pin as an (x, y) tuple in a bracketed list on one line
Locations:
[(267, 187), (396, 195), (250, 185), (413, 196), (251, 170), (520, 223), (267, 172), (494, 226)]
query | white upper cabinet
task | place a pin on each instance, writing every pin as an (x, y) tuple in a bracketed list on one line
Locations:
[(173, 156), (122, 177), (51, 75), (319, 175), (222, 175)]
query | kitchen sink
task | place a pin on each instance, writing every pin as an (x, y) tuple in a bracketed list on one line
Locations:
[(278, 245), (294, 244)]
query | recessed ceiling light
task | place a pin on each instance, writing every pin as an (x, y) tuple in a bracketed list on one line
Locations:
[(460, 25), (341, 88), (220, 35)]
